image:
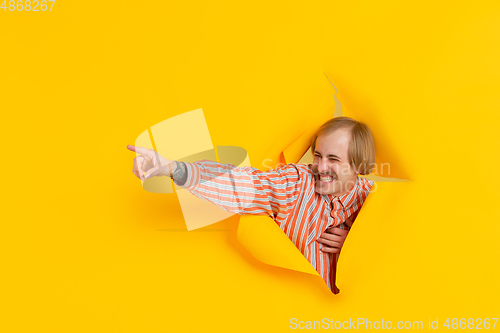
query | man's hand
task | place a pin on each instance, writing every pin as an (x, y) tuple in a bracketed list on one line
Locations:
[(152, 163), (333, 238)]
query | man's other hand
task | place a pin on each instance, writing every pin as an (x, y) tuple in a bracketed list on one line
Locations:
[(333, 238)]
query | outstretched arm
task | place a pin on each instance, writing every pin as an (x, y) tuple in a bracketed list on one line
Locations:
[(244, 190)]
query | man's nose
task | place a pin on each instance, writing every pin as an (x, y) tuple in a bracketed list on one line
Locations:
[(322, 166)]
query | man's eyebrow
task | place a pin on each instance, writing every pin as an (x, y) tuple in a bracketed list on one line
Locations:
[(329, 155)]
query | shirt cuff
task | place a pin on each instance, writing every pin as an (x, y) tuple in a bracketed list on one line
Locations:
[(193, 176)]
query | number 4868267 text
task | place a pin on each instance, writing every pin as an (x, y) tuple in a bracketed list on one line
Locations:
[(27, 5)]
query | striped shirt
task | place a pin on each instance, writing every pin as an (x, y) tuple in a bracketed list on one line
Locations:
[(287, 194)]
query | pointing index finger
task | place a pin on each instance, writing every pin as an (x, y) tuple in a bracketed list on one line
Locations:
[(138, 150)]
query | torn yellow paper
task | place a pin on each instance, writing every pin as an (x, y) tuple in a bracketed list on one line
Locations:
[(295, 152), (262, 237), (186, 138)]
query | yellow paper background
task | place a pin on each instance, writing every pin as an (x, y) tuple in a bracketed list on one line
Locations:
[(85, 248)]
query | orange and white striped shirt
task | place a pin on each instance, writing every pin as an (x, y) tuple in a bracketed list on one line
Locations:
[(287, 194)]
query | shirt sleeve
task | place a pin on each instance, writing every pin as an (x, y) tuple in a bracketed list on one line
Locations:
[(245, 190)]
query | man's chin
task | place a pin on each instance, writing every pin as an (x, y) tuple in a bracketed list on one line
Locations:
[(324, 189)]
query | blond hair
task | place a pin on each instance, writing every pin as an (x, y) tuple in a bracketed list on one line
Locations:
[(361, 146)]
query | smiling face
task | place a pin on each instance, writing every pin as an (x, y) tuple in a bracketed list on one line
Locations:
[(332, 171)]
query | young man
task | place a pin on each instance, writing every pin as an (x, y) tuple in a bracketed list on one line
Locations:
[(313, 204)]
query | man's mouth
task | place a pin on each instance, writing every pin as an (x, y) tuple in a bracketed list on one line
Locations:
[(326, 179)]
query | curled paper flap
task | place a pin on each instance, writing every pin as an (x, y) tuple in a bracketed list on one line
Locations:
[(262, 237), (300, 150), (338, 105)]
